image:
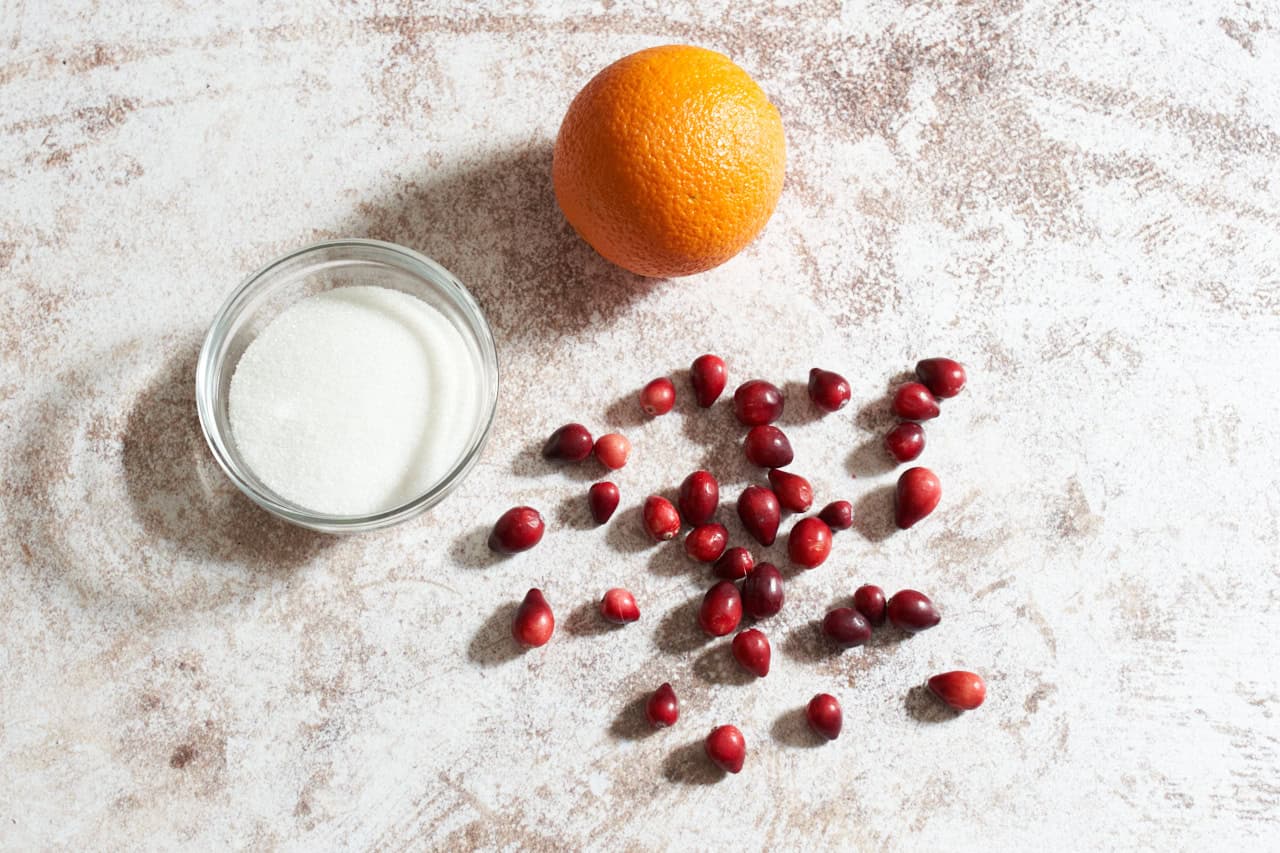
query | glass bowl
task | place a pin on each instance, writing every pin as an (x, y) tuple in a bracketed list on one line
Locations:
[(306, 272)]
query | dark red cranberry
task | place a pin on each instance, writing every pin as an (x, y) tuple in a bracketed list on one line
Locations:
[(751, 651), (838, 515), (734, 564), (809, 543), (705, 543), (825, 716), (962, 690), (721, 609), (757, 402), (612, 450), (570, 443), (914, 402), (767, 446), (726, 748), (868, 600), (699, 497), (912, 611), (760, 513), (762, 594), (663, 708), (943, 377), (603, 499), (534, 621), (708, 376), (905, 441), (661, 520), (828, 391), (658, 397), (619, 606), (518, 529), (793, 491), (846, 627), (917, 495)]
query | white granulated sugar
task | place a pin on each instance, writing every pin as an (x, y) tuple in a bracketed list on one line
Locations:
[(354, 401)]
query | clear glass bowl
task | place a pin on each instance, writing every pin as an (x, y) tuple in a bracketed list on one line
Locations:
[(303, 273)]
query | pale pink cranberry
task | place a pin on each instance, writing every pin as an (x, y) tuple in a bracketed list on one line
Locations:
[(612, 450), (658, 397)]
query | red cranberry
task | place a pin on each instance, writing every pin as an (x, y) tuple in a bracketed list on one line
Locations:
[(660, 518), (914, 402), (726, 748), (809, 543), (721, 609), (762, 591), (868, 600), (658, 396), (824, 715), (734, 564), (846, 627), (917, 495), (603, 499), (612, 450), (699, 497), (944, 377), (570, 443), (962, 690), (534, 621), (793, 491), (705, 543), (768, 447), (757, 402), (663, 708), (518, 529), (619, 606), (912, 611), (760, 513), (828, 391), (751, 651), (838, 515), (905, 441), (708, 376)]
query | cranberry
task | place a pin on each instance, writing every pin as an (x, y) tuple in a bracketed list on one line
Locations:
[(534, 621), (734, 564), (809, 543), (846, 627), (612, 450), (708, 376), (838, 515), (658, 396), (726, 748), (751, 651), (760, 513), (603, 499), (793, 491), (828, 391), (570, 443), (962, 690), (917, 495), (762, 591), (705, 543), (721, 609), (660, 518), (768, 447), (518, 529), (824, 715), (914, 402), (912, 611), (944, 377), (699, 497), (868, 600), (757, 402), (619, 606), (905, 441), (663, 708)]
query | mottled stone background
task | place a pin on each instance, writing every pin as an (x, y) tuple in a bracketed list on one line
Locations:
[(1081, 201)]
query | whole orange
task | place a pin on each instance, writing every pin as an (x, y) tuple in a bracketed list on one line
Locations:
[(669, 161)]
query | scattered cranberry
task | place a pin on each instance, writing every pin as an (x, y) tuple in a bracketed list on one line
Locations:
[(912, 611), (705, 543), (660, 518), (846, 627), (721, 609), (905, 441), (726, 748), (962, 690), (824, 715), (757, 402), (793, 491), (838, 515), (534, 621), (760, 513), (619, 606), (917, 495), (762, 595), (809, 543), (612, 450), (751, 651), (708, 376), (663, 708), (914, 402), (699, 497), (767, 446), (658, 397), (868, 600), (570, 443), (944, 377), (828, 391), (734, 564), (603, 499), (518, 529)]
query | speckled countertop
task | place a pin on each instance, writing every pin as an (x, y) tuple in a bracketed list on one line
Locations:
[(1081, 201)]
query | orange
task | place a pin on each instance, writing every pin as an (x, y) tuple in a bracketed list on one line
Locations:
[(669, 161)]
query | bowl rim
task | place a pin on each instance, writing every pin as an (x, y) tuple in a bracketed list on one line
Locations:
[(211, 348)]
